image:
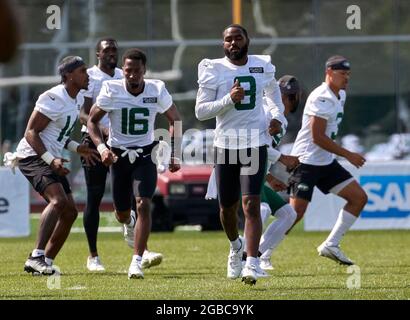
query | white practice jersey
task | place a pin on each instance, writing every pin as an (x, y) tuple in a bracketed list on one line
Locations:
[(322, 103), (132, 118), (97, 77), (240, 126), (63, 112)]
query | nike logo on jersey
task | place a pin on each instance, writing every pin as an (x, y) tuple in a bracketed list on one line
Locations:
[(149, 100), (322, 100), (256, 69), (51, 97)]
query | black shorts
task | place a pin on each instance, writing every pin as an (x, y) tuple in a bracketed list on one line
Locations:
[(95, 175), (231, 180), (40, 174), (306, 177), (128, 180)]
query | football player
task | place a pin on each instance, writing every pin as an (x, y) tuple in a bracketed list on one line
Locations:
[(316, 149), (40, 160), (231, 89), (132, 104)]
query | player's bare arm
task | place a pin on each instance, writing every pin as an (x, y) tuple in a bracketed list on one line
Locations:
[(96, 114), (91, 156), (274, 183), (37, 123), (172, 115), (318, 128), (85, 112)]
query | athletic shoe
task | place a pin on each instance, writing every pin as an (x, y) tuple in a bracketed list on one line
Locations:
[(266, 264), (135, 270), (38, 266), (260, 273), (151, 259), (235, 261), (249, 274), (334, 253), (94, 264), (129, 231)]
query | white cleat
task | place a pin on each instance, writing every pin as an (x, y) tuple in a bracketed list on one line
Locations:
[(266, 264), (94, 264), (334, 253), (260, 273), (135, 270), (250, 274), (151, 259), (129, 231), (235, 261)]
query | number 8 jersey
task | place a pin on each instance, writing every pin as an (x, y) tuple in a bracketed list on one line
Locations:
[(63, 112), (322, 103), (244, 124), (132, 118)]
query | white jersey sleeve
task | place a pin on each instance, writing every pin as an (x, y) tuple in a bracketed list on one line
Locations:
[(49, 104), (89, 93), (320, 107), (207, 75), (164, 98), (104, 100)]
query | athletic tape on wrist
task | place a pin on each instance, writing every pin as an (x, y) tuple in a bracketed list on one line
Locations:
[(47, 157), (101, 148), (72, 146)]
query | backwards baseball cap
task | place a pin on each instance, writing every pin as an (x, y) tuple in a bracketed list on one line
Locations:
[(289, 85), (338, 63), (69, 64)]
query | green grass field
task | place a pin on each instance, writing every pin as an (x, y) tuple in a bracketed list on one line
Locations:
[(194, 267)]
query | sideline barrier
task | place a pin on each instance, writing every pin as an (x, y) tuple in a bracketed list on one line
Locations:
[(14, 204), (387, 185)]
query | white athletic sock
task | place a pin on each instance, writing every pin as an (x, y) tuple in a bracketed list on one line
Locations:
[(49, 261), (275, 232), (236, 244), (343, 223), (37, 253), (132, 220), (137, 258), (265, 212), (251, 260), (267, 254)]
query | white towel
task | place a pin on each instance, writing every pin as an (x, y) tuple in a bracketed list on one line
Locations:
[(11, 161), (163, 156), (212, 192)]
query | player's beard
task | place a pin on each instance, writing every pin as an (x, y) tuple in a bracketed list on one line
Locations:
[(237, 55)]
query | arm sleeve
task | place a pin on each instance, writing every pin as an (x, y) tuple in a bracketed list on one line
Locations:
[(48, 107), (104, 99), (273, 99), (207, 107), (165, 99), (89, 93), (320, 107)]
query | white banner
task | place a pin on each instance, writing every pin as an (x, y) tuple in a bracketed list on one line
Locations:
[(387, 185), (14, 204)]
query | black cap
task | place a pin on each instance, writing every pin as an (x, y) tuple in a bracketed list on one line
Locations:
[(69, 64), (289, 85), (338, 63)]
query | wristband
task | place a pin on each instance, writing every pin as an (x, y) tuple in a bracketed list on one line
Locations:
[(72, 146), (47, 157), (101, 148)]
